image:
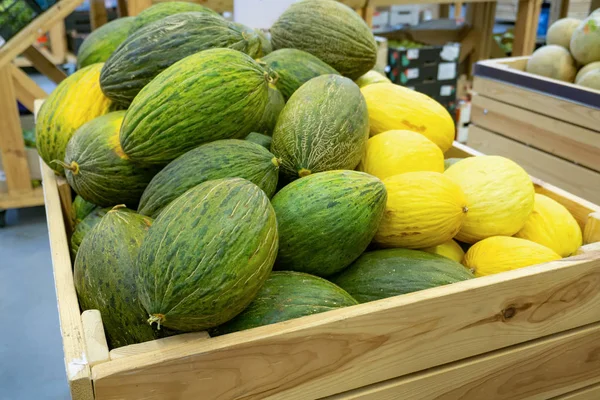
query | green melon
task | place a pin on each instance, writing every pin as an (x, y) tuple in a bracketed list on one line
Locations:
[(561, 31), (448, 162), (385, 273), (104, 276), (591, 79), (207, 270), (294, 68), (102, 42), (83, 228), (259, 138), (265, 43), (553, 62), (152, 49), (327, 220), (324, 126), (97, 168), (585, 42), (220, 159), (330, 31), (288, 295), (273, 108), (163, 10), (182, 109), (80, 209)]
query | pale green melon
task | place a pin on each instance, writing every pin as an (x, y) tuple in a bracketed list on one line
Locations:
[(553, 62), (591, 79), (561, 31), (585, 43), (586, 69)]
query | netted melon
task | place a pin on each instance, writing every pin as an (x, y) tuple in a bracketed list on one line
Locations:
[(553, 62), (585, 43), (561, 31)]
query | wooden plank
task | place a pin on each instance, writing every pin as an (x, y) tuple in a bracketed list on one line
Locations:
[(95, 340), (28, 35), (526, 27), (58, 43), (562, 139), (588, 393), (26, 90), (591, 233), (44, 65), (78, 370), (564, 174), (98, 15), (482, 18), (567, 360), (588, 248), (21, 200), (321, 355), (122, 8), (66, 204), (159, 344)]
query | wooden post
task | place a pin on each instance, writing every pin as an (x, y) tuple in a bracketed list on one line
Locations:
[(58, 41), (482, 18), (134, 7), (444, 11), (458, 10), (43, 64), (122, 8), (526, 27), (98, 16), (26, 90)]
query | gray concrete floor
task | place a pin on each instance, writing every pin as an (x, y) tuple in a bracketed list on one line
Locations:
[(31, 354)]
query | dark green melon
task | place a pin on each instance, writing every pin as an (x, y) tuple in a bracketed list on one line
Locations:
[(273, 108), (84, 227), (265, 43), (163, 10), (97, 168), (327, 220), (330, 31), (157, 46), (211, 95), (207, 255), (81, 209), (448, 162), (102, 42), (259, 138), (104, 276), (231, 158), (294, 68), (386, 273), (288, 295), (324, 126)]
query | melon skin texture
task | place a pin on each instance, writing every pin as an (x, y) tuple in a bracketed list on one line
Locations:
[(163, 10), (499, 194), (584, 70), (330, 31), (552, 62), (502, 253), (552, 225), (591, 79), (81, 209), (393, 107), (263, 140), (449, 249), (84, 227), (273, 108), (370, 78), (396, 152), (561, 31), (423, 209), (210, 267), (102, 42), (585, 42)]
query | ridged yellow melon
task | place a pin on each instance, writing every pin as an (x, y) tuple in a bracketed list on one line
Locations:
[(423, 209), (396, 152), (449, 249), (395, 107), (370, 78), (502, 253), (499, 194), (553, 226)]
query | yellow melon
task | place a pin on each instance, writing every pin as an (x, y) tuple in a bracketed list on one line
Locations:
[(499, 193), (394, 107), (423, 209), (553, 226), (502, 253), (396, 152), (553, 62), (449, 249), (370, 78)]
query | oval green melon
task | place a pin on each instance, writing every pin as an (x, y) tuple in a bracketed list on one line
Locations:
[(163, 10), (585, 42), (294, 68), (182, 109), (448, 162), (207, 270), (370, 78), (330, 31), (586, 69), (324, 126), (152, 49), (259, 138), (104, 276), (265, 43), (97, 168), (385, 273), (102, 42), (287, 295), (80, 208), (561, 31), (83, 228), (553, 62), (327, 220), (272, 111), (220, 159), (591, 79)]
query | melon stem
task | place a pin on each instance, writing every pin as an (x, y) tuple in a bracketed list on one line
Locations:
[(158, 318), (118, 206), (304, 172), (73, 167)]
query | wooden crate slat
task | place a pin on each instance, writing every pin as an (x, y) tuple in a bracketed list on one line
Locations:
[(588, 393), (26, 90), (158, 344)]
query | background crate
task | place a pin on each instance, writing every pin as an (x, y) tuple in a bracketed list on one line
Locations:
[(16, 14)]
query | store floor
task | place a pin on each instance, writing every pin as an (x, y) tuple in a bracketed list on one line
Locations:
[(31, 353)]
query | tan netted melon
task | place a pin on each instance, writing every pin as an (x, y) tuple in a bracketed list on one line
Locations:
[(561, 31), (591, 79), (553, 62), (585, 42), (584, 70)]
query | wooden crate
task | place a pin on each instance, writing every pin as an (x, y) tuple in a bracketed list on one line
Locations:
[(532, 333), (551, 128)]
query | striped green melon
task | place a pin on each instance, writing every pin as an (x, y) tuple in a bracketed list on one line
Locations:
[(104, 276), (386, 273), (83, 228), (294, 68), (80, 209), (287, 295), (231, 158), (327, 220), (330, 31), (259, 138), (272, 110), (97, 168), (265, 43), (102, 42), (324, 126), (210, 267), (182, 108), (152, 49), (163, 10)]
